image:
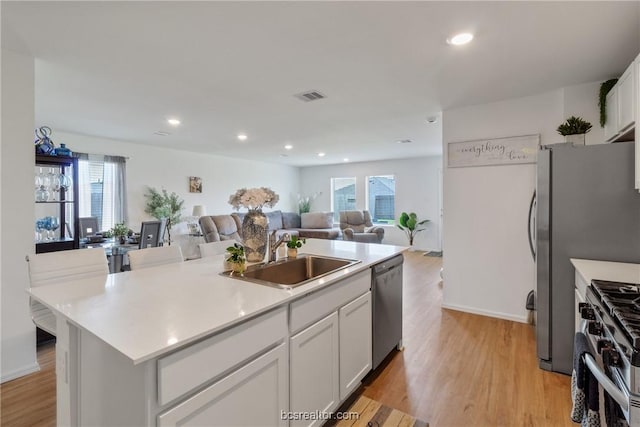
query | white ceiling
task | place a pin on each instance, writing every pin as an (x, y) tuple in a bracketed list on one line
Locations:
[(118, 69)]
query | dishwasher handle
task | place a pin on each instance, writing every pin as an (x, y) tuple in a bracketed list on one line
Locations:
[(387, 265)]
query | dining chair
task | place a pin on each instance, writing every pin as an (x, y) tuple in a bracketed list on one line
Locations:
[(152, 257), (52, 267), (88, 226), (214, 248), (150, 234)]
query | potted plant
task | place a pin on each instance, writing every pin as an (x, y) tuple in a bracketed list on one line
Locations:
[(574, 129), (410, 225), (120, 232), (162, 205), (235, 259), (293, 245)]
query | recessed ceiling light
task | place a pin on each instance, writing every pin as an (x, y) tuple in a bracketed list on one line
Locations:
[(173, 122), (288, 147), (432, 119), (284, 155), (460, 39), (321, 154), (242, 137), (345, 159), (404, 141)]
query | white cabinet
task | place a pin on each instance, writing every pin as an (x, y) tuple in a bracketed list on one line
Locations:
[(355, 343), (626, 99), (611, 125), (331, 353), (256, 394), (315, 368)]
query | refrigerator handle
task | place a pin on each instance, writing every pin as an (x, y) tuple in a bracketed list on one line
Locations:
[(531, 224)]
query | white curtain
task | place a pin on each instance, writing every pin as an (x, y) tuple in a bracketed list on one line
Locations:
[(102, 188)]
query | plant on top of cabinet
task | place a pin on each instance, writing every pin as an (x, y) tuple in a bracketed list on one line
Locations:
[(602, 100), (162, 205), (574, 129)]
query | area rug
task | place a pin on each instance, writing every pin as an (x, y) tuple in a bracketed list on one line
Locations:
[(371, 413), (434, 253)]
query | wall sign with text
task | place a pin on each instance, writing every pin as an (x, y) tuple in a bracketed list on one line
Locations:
[(497, 151)]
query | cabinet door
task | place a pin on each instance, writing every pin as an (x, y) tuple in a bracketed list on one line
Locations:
[(355, 343), (626, 99), (314, 361), (254, 395), (611, 125)]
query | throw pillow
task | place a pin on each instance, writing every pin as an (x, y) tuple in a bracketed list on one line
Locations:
[(316, 220)]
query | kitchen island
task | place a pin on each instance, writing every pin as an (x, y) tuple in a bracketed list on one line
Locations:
[(180, 344)]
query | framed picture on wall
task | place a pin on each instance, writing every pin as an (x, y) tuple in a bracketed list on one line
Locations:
[(195, 184)]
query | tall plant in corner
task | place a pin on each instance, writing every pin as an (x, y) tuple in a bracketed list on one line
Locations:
[(410, 225), (162, 205)]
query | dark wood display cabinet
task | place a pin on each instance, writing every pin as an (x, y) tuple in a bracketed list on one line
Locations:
[(56, 200)]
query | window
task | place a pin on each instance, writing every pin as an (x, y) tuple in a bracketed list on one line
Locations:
[(343, 196), (381, 193), (102, 190)]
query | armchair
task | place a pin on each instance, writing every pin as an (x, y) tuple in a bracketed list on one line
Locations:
[(357, 226)]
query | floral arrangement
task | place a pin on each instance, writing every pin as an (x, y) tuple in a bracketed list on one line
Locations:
[(304, 202), (254, 198)]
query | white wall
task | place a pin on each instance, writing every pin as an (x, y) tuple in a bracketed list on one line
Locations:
[(488, 268), (582, 101), (417, 190), (171, 169), (16, 222)]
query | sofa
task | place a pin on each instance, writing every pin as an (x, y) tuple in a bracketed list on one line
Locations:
[(318, 225)]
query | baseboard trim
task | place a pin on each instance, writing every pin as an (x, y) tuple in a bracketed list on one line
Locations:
[(20, 372), (488, 313)]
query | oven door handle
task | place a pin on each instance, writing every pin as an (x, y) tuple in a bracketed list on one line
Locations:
[(606, 382)]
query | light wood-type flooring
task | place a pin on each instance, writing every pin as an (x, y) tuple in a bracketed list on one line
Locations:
[(457, 369)]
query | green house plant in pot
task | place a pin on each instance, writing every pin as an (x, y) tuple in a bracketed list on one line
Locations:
[(574, 130), (235, 259), (120, 232), (410, 225), (163, 205), (293, 245)]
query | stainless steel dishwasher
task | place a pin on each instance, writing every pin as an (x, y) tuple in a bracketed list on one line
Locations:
[(387, 307)]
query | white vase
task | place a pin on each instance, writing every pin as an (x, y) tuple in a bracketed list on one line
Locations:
[(577, 139)]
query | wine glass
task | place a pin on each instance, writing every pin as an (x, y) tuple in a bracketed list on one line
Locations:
[(65, 182), (42, 194), (54, 181), (54, 224), (39, 229)]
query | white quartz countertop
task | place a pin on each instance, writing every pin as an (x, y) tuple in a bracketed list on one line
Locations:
[(146, 313), (605, 270)]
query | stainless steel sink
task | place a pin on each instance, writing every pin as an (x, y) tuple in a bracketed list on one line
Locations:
[(289, 273)]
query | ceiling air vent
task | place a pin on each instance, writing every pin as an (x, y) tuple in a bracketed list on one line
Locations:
[(312, 95)]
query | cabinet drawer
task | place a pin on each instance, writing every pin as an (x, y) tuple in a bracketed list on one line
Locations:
[(317, 305), (187, 369), (255, 394)]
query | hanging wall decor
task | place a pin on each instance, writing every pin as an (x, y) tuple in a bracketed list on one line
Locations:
[(494, 152), (195, 184)]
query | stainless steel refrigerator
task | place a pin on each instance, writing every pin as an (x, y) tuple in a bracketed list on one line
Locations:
[(586, 207)]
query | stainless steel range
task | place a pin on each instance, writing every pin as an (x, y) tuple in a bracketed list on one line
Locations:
[(612, 312)]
